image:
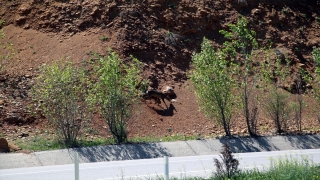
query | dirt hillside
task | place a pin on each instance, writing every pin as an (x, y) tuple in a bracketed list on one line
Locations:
[(162, 34)]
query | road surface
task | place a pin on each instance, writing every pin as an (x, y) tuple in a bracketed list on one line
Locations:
[(150, 168)]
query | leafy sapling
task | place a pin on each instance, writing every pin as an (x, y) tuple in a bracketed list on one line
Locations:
[(242, 40), (212, 77)]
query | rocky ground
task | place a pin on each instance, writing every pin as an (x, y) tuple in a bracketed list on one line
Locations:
[(163, 35)]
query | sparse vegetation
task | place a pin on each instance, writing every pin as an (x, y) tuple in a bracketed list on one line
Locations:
[(301, 29), (170, 38), (278, 107), (39, 143), (2, 22), (104, 38), (262, 22), (284, 168), (316, 83), (318, 20), (285, 10), (8, 53), (229, 166), (298, 106)]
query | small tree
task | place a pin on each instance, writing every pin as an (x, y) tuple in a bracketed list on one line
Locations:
[(277, 101), (278, 108), (115, 93), (297, 107), (229, 165), (62, 91), (242, 40), (302, 77), (214, 86), (316, 84)]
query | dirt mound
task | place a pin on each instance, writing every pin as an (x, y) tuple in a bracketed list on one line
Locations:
[(162, 34)]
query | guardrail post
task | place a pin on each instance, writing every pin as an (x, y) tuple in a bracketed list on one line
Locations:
[(166, 168), (76, 166)]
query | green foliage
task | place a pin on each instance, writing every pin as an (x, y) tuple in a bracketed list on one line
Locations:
[(2, 22), (104, 38), (242, 40), (115, 92), (318, 20), (276, 103), (7, 49), (61, 90), (294, 168), (39, 143), (301, 77), (274, 71), (279, 109), (301, 29), (316, 79), (284, 168), (212, 78), (316, 57), (285, 10)]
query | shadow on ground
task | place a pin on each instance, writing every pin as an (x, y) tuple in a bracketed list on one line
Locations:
[(166, 112), (195, 147), (121, 152), (276, 143), (304, 142)]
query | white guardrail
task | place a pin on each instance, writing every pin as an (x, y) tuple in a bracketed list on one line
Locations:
[(76, 167)]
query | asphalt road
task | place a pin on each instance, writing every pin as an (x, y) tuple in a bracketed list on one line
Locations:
[(200, 166)]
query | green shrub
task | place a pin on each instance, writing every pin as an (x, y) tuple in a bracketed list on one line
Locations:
[(61, 90), (214, 85), (115, 93), (276, 102)]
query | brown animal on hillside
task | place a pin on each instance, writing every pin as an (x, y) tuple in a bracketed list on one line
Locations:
[(168, 90), (157, 96)]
